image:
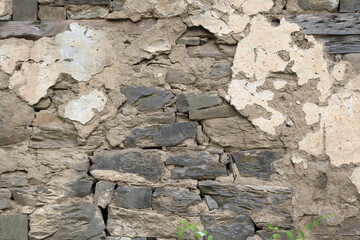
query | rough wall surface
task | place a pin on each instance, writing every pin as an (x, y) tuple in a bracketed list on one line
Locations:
[(221, 112)]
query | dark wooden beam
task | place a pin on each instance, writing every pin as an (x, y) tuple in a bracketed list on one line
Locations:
[(341, 44), (35, 30)]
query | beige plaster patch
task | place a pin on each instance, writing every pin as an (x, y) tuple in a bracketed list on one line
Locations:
[(252, 7)]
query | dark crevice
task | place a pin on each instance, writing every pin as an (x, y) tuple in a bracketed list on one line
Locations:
[(104, 213)]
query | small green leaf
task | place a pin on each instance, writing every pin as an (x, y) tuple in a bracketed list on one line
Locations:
[(316, 223), (290, 235), (323, 217), (276, 235), (276, 228), (301, 234), (205, 232), (194, 228), (333, 215), (180, 233), (271, 227), (210, 237), (308, 226), (198, 235)]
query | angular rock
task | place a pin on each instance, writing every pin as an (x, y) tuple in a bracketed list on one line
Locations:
[(211, 203), (133, 198), (219, 71), (86, 12), (200, 172), (118, 4), (194, 159), (179, 77), (173, 201), (156, 118), (143, 163), (256, 163), (329, 5), (349, 5), (49, 137), (11, 135), (52, 13), (134, 223), (75, 221), (209, 49), (4, 80), (249, 199), (25, 10), (14, 226), (223, 111), (81, 2), (189, 41), (229, 228), (5, 193), (146, 98), (161, 135), (103, 193), (81, 188), (25, 197), (193, 101), (13, 179), (5, 204), (170, 8), (237, 132)]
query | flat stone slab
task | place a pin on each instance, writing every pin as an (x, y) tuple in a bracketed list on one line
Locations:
[(14, 227)]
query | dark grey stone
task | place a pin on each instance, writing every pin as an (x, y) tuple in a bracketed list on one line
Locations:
[(193, 101), (165, 200), (268, 235), (161, 135), (133, 198), (329, 5), (229, 228), (118, 4), (80, 2), (103, 193), (145, 163), (14, 112), (5, 204), (209, 49), (246, 200), (25, 10), (187, 160), (349, 5), (189, 41), (10, 135), (179, 77), (223, 111), (13, 179), (81, 188), (211, 203), (256, 163), (25, 197), (146, 98), (219, 71), (200, 172), (14, 227), (48, 137), (72, 221)]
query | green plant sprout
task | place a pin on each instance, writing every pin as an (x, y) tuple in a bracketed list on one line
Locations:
[(299, 233), (188, 228)]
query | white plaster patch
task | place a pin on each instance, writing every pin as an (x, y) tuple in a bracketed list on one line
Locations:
[(252, 7), (279, 84), (82, 109), (209, 21), (312, 113), (80, 52), (313, 143), (13, 50)]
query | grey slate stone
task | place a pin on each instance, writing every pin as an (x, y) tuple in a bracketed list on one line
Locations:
[(349, 5), (52, 13), (25, 197), (145, 163), (193, 101), (256, 163), (5, 204), (103, 193), (229, 228), (146, 98), (187, 160), (246, 200), (81, 2), (11, 134), (81, 188), (223, 111), (219, 71), (118, 4), (329, 5), (179, 77), (165, 200), (25, 10), (13, 179), (209, 49), (211, 203), (13, 227), (161, 135), (133, 198), (189, 41)]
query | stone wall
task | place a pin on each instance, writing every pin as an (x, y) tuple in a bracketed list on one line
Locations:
[(120, 118)]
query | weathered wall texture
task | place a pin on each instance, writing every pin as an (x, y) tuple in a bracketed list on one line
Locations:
[(221, 112)]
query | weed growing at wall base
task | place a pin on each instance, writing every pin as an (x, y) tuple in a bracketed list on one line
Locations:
[(190, 229)]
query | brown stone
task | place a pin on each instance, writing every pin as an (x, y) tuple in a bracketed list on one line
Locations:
[(11, 135), (52, 13), (25, 10)]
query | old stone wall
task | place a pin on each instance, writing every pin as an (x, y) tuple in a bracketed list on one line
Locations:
[(119, 118)]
